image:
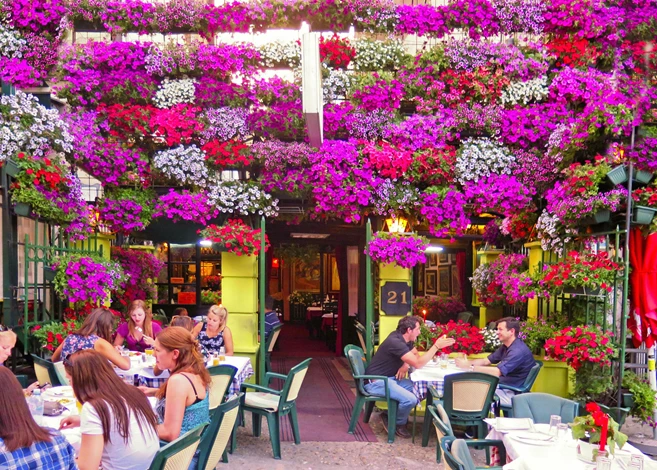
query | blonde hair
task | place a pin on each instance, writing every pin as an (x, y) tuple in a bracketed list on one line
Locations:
[(221, 312), (148, 318), (8, 335)]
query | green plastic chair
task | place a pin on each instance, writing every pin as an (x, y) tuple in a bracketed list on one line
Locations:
[(619, 414), (215, 438), (524, 388), (357, 363), (465, 317), (269, 345), (274, 404), (22, 379), (457, 454), (45, 371), (222, 376), (540, 406), (178, 454)]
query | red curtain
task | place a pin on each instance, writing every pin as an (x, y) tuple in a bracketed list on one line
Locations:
[(643, 285), (460, 265)]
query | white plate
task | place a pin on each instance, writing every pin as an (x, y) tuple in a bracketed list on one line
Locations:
[(532, 442), (533, 436), (59, 391)]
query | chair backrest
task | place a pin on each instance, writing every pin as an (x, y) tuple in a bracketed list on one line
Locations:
[(540, 406), (273, 336), (457, 456), (45, 371), (531, 377), (216, 435), (178, 454), (61, 372), (465, 317), (222, 376), (293, 383), (469, 395), (360, 331), (440, 422), (357, 363)]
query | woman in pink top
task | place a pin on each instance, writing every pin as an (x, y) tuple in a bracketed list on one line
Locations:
[(140, 331)]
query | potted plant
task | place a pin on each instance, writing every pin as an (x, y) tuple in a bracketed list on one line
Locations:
[(235, 237), (469, 339), (142, 268), (504, 281), (535, 333), (438, 309), (646, 205), (640, 398), (594, 428), (52, 335), (491, 340), (588, 272), (404, 250)]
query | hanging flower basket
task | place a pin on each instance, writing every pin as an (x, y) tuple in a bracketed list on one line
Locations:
[(11, 168), (642, 177), (49, 273), (23, 209), (597, 218), (618, 175), (235, 237), (643, 215), (395, 248)]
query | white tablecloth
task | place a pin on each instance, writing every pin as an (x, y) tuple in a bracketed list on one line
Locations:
[(553, 455), (431, 374)]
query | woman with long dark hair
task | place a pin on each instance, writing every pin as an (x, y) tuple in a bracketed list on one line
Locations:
[(183, 400), (140, 331), (23, 443), (117, 423), (95, 333)]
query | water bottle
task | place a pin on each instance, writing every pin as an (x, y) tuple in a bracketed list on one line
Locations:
[(35, 403)]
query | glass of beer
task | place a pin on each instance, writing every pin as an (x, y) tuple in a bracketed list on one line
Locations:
[(149, 352), (222, 354)]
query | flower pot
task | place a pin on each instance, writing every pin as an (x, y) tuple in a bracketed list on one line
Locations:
[(80, 26), (11, 168), (618, 175), (627, 399), (22, 209), (49, 273), (597, 218), (642, 177), (643, 215)]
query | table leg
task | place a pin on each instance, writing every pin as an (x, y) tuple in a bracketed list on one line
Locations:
[(426, 425)]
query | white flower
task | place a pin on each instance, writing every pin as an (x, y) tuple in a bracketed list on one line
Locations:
[(378, 55), (183, 164), (479, 158), (525, 92), (242, 197), (336, 86), (281, 54), (12, 45), (173, 92)]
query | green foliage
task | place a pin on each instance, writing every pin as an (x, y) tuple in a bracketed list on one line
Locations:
[(643, 396), (290, 254), (592, 382), (536, 332)]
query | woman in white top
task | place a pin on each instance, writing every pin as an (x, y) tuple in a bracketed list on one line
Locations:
[(118, 424)]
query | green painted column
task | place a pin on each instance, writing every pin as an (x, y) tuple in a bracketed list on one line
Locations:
[(239, 294), (391, 272)]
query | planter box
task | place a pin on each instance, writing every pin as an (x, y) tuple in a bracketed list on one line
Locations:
[(49, 273), (643, 215), (597, 218), (22, 209), (554, 378), (642, 177), (11, 168), (618, 175), (582, 291)]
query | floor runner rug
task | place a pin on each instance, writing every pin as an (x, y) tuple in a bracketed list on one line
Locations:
[(324, 404)]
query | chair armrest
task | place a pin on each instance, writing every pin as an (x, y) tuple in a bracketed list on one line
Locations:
[(274, 375), (260, 388), (489, 443), (512, 388), (434, 392), (377, 377)]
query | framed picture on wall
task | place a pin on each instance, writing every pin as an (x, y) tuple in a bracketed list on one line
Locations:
[(431, 283), (306, 276), (456, 283), (443, 258), (418, 282), (444, 279), (433, 260), (332, 274)]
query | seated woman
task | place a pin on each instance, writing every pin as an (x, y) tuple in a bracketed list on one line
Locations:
[(214, 333), (7, 343), (140, 331), (183, 401), (23, 443), (95, 333), (117, 423), (186, 323)]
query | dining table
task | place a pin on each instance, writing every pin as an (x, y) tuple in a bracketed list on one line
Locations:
[(433, 373), (531, 446)]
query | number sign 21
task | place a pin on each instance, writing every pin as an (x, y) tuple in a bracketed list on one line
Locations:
[(396, 298)]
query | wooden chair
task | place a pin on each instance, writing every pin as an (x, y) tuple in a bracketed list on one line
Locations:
[(178, 454), (274, 404), (45, 371), (357, 363), (217, 434), (222, 376)]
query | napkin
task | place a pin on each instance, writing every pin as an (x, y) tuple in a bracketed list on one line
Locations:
[(513, 424)]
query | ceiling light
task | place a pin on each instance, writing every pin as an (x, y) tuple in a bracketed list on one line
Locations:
[(205, 243), (318, 236), (434, 249)]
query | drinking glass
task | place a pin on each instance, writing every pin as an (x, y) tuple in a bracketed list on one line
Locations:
[(149, 352), (555, 421), (636, 462), (602, 463), (562, 432), (443, 361), (215, 359), (222, 354)]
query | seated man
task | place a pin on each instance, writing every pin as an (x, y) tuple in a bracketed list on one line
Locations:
[(271, 317), (392, 360), (513, 360)]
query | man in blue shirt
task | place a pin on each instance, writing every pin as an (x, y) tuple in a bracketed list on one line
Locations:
[(513, 360), (271, 317)]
